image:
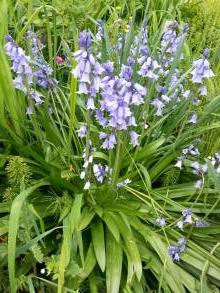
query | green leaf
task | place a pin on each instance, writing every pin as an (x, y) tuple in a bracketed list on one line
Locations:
[(98, 240), (112, 226), (113, 264)]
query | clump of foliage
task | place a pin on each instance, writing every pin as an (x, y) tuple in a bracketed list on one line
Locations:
[(203, 19)]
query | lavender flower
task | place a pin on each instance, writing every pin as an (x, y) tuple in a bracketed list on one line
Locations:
[(161, 221), (100, 33), (198, 184), (203, 90), (171, 41), (87, 70), (201, 70), (82, 131), (36, 97), (43, 75), (100, 172), (134, 138), (139, 48), (109, 141), (29, 110), (150, 69), (20, 65), (193, 119), (196, 101), (201, 223), (199, 169), (175, 251), (187, 218), (159, 106)]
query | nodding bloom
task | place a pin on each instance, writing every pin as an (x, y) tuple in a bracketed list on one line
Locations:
[(123, 183), (87, 185), (43, 74), (161, 221), (202, 70), (134, 138), (196, 101), (158, 105), (87, 70), (193, 119), (199, 168), (100, 172), (29, 110), (82, 131), (109, 142), (179, 163), (175, 251), (100, 33), (201, 223), (187, 218), (150, 69), (191, 150), (198, 184), (203, 90)]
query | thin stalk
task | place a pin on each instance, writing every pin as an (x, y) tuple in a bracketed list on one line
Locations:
[(117, 162)]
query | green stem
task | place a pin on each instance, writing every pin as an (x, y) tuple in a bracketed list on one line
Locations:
[(117, 162)]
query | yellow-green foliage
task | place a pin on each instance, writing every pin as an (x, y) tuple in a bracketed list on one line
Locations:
[(203, 18)]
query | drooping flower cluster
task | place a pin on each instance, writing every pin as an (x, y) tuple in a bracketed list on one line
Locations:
[(201, 71), (113, 92), (190, 150), (175, 251), (100, 33), (197, 168), (31, 72), (87, 70), (188, 217), (41, 69), (119, 95), (139, 49), (172, 41), (21, 66)]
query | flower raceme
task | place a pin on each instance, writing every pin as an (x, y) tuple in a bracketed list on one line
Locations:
[(30, 71), (113, 99)]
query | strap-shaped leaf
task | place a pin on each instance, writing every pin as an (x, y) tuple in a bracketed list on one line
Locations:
[(98, 240), (113, 263)]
